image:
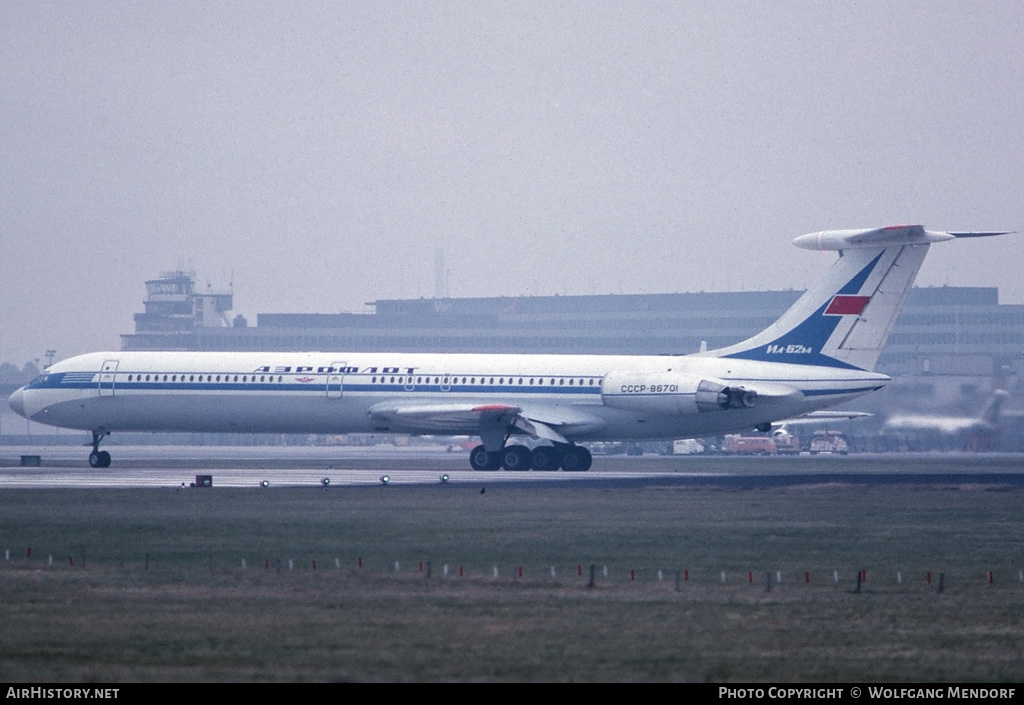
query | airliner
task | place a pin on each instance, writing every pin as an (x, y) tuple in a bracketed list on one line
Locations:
[(987, 421), (819, 353), (973, 433)]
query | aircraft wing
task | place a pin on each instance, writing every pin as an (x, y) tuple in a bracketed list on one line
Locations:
[(942, 424), (823, 416), (549, 422)]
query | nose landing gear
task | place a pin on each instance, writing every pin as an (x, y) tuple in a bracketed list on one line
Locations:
[(99, 458)]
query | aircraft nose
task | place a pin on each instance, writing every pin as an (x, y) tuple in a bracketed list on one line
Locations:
[(17, 402)]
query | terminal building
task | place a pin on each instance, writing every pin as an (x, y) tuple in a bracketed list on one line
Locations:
[(176, 313), (942, 331)]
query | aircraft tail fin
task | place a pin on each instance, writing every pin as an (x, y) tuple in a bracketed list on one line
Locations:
[(845, 319), (992, 410)]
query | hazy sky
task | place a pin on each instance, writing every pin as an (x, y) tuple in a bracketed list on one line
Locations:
[(316, 155)]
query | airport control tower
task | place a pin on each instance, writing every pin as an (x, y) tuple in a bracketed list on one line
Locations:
[(175, 309)]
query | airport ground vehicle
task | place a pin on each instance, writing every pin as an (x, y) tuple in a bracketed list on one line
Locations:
[(748, 445), (829, 442)]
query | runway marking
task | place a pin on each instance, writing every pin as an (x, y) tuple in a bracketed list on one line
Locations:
[(222, 477), (287, 466)]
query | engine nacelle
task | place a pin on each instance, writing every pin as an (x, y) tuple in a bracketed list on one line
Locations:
[(713, 395), (672, 393)]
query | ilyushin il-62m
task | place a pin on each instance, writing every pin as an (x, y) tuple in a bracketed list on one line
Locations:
[(821, 352)]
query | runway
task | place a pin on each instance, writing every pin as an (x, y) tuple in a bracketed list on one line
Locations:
[(297, 466)]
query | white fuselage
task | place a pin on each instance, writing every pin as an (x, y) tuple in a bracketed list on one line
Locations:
[(315, 392)]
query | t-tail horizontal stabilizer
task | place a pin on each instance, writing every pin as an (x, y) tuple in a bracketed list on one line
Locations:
[(845, 319), (881, 237)]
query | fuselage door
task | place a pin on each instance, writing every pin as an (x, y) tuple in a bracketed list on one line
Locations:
[(335, 380), (108, 375)]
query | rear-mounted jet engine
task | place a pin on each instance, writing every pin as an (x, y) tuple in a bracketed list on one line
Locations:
[(672, 393)]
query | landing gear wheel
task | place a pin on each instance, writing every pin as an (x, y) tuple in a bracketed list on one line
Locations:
[(516, 458), (577, 459), (99, 459), (480, 459), (545, 458)]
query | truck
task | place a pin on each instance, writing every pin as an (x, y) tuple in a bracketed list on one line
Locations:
[(829, 442), (748, 445), (687, 446), (785, 442)]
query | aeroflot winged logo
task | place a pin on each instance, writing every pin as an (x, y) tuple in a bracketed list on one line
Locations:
[(327, 369)]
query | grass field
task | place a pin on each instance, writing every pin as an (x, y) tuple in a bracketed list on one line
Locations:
[(193, 613)]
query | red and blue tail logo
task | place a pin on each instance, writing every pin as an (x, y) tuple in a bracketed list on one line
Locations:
[(802, 341)]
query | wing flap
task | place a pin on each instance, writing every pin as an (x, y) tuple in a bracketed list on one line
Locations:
[(538, 429), (438, 417), (547, 422)]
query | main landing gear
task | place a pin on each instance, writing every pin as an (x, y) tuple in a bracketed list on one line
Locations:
[(568, 457), (99, 458)]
